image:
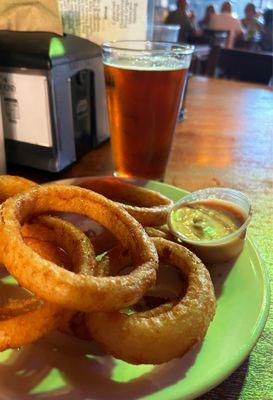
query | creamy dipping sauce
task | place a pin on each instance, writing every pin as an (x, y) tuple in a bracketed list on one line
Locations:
[(207, 219)]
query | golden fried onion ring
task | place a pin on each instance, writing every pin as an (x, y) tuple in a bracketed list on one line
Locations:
[(11, 185), (148, 207), (79, 292), (66, 236), (165, 332), (160, 231), (55, 234), (103, 241), (29, 324), (26, 320), (51, 230)]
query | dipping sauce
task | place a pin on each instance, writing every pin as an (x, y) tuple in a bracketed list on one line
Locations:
[(212, 223), (207, 219)]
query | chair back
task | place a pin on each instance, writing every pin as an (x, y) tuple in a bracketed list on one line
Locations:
[(240, 65), (216, 37)]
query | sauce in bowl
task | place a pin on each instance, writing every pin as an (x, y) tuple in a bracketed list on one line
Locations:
[(212, 222), (208, 219)]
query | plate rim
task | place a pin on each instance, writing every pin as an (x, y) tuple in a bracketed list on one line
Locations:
[(257, 331)]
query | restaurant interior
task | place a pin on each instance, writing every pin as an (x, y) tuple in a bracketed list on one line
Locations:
[(136, 199), (247, 58)]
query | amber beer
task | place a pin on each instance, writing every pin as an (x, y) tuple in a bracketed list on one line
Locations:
[(143, 104)]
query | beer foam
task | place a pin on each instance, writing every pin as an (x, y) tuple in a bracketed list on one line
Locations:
[(146, 63)]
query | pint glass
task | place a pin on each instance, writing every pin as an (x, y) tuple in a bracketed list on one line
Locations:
[(144, 82)]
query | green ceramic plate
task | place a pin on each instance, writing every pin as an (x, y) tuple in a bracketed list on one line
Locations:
[(60, 367)]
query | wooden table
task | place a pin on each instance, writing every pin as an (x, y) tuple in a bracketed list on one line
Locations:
[(226, 140)]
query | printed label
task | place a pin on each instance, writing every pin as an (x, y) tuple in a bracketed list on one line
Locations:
[(11, 108), (100, 20)]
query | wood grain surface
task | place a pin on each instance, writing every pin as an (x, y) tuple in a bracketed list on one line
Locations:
[(226, 140)]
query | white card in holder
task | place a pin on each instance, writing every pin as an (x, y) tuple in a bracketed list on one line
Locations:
[(100, 20), (25, 108)]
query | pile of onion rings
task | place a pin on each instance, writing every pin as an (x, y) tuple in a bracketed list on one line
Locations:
[(73, 287)]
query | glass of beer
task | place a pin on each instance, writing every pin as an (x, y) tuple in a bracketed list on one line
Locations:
[(144, 82)]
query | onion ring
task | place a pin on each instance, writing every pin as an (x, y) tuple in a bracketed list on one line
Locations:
[(75, 326), (66, 236), (148, 207), (51, 229), (167, 331), (79, 292), (112, 262), (11, 185), (160, 231), (103, 241), (24, 321), (56, 234), (13, 306), (32, 323), (83, 256)]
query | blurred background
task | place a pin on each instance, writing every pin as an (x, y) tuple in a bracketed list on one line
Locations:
[(162, 7), (233, 39)]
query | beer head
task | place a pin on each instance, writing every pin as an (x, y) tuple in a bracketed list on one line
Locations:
[(145, 55)]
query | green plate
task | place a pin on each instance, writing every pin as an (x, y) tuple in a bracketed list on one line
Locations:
[(61, 367)]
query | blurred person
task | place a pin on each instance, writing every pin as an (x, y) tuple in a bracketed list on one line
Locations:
[(210, 11), (250, 22), (226, 22), (267, 34), (181, 17)]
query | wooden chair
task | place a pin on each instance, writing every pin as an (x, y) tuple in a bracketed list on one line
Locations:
[(211, 37), (216, 37), (240, 65)]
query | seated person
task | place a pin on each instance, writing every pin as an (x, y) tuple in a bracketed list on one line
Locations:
[(250, 22), (226, 22), (210, 11), (180, 17), (267, 34)]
